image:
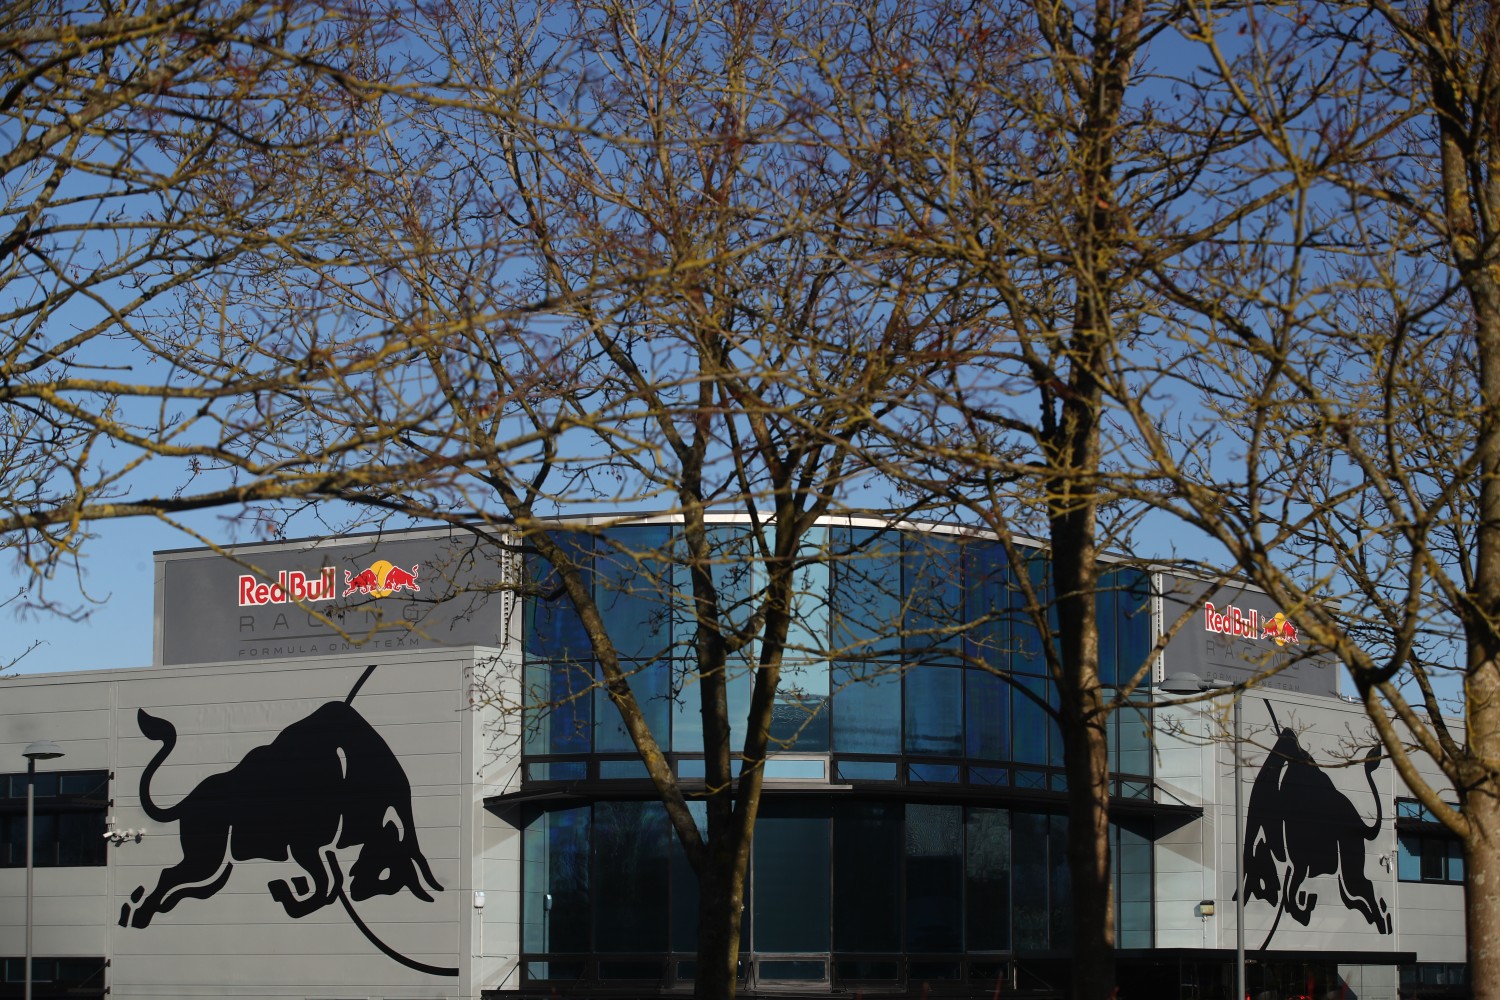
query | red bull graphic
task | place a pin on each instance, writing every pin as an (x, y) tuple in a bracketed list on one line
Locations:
[(1298, 826), (1249, 624), (380, 580), (326, 782), (1280, 630), (290, 588)]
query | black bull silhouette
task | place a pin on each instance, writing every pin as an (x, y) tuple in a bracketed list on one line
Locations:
[(1299, 826), (325, 782)]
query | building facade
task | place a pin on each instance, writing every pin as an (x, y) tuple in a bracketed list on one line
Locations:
[(384, 766)]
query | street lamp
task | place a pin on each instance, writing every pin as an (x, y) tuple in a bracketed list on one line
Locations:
[(40, 750), (1188, 683)]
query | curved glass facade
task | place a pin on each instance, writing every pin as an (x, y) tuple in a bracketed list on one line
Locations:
[(911, 830)]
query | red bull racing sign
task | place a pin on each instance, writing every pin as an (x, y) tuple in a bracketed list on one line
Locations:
[(1233, 632), (315, 597)]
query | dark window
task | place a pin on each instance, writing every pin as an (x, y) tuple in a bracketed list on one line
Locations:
[(867, 876), (70, 807), (1429, 858), (867, 708), (791, 879), (1425, 850), (553, 629), (987, 716), (53, 978), (557, 881), (934, 595), (1434, 974), (631, 884), (866, 599), (1031, 721), (987, 879), (934, 877), (989, 600)]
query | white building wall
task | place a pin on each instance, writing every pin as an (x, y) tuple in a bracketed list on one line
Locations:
[(239, 941), (1329, 837)]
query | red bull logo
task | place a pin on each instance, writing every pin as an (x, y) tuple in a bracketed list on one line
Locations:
[(1279, 629), (290, 588), (381, 580), (1249, 624)]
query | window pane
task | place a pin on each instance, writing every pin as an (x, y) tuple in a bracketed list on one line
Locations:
[(631, 883), (556, 848), (987, 879), (80, 838), (1133, 737), (935, 599), (791, 878), (1408, 858), (1026, 638), (1133, 600), (1029, 880), (44, 842), (934, 877), (632, 586), (1106, 611), (802, 708), (1434, 867), (988, 599), (867, 709), (1060, 882), (1455, 861), (867, 876), (553, 629), (987, 716), (799, 717), (1030, 719), (559, 710), (651, 685), (935, 711), (867, 602), (685, 888)]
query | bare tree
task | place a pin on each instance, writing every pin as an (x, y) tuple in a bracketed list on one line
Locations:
[(640, 293), (1056, 158), (1349, 368), (165, 166)]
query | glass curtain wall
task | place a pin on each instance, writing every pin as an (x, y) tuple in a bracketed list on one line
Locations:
[(912, 659), (846, 890)]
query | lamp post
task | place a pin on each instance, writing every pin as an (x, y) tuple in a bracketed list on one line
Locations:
[(40, 750), (1188, 683)]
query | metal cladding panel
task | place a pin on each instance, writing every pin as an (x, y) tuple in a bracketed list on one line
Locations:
[(375, 594), (290, 829), (1317, 835), (1234, 633), (304, 839)]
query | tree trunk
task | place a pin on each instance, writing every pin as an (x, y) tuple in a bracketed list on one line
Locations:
[(721, 900), (1086, 754)]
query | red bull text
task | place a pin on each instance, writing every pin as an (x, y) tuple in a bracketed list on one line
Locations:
[(289, 588)]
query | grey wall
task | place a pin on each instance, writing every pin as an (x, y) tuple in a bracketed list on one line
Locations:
[(1197, 861), (240, 941)]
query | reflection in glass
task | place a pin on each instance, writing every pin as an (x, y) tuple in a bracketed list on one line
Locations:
[(867, 876), (791, 892), (630, 876), (934, 877)]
